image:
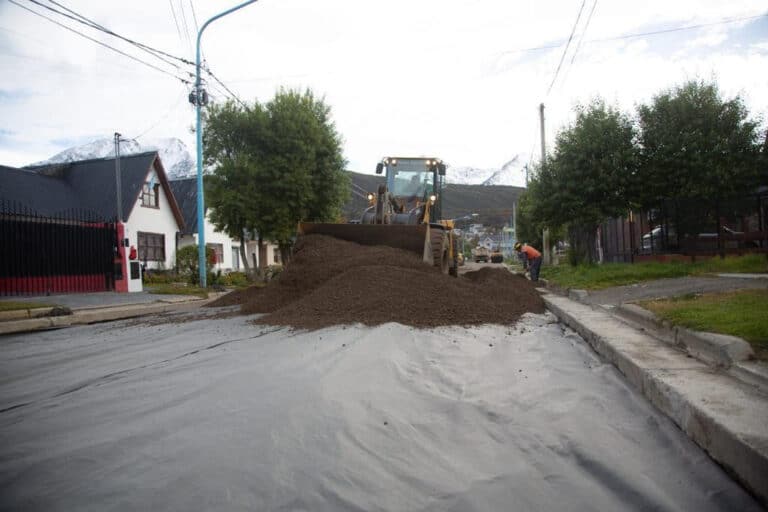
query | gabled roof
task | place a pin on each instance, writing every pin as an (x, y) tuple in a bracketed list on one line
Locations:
[(89, 185), (185, 192)]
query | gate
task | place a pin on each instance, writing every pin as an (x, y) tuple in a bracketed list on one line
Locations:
[(42, 255)]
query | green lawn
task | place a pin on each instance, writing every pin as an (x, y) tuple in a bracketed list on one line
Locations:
[(593, 277), (742, 313), (19, 305), (176, 289)]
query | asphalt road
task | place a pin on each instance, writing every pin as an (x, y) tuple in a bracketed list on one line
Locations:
[(220, 414)]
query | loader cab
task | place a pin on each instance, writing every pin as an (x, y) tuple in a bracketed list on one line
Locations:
[(413, 180)]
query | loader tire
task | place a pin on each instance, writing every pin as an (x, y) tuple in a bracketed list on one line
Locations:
[(440, 250)]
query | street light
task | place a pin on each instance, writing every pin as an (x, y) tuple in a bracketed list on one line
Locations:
[(198, 96)]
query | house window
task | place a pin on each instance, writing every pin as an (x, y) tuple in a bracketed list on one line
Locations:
[(276, 256), (151, 246), (235, 258), (218, 250), (150, 195)]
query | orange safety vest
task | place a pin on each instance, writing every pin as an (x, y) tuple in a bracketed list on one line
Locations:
[(531, 252)]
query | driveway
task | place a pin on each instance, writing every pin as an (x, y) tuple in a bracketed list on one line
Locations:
[(673, 287)]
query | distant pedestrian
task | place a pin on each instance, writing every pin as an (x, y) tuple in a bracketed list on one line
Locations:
[(531, 259)]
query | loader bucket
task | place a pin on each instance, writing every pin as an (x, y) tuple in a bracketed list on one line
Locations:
[(401, 236)]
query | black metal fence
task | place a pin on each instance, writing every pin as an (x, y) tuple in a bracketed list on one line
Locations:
[(689, 229), (40, 255)]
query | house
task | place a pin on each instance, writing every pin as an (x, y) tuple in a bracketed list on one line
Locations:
[(226, 248), (89, 188)]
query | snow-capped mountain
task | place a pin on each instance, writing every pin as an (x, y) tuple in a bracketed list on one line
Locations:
[(511, 173), (177, 161)]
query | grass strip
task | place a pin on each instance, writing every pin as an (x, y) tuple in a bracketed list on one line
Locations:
[(594, 277), (12, 305), (741, 313)]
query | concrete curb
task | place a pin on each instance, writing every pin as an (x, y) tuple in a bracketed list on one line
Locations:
[(95, 315), (715, 349), (722, 415)]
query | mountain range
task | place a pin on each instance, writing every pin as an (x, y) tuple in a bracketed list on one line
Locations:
[(178, 161)]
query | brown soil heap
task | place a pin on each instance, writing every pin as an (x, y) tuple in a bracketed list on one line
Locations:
[(334, 282)]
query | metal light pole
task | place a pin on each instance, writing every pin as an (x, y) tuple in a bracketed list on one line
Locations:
[(199, 133)]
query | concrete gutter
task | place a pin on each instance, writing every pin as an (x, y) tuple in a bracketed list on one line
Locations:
[(102, 314), (726, 417)]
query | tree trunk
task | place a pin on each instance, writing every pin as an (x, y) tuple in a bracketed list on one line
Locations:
[(262, 256), (244, 257), (285, 254)]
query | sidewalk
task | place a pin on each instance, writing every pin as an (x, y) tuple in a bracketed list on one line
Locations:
[(88, 308), (725, 415)]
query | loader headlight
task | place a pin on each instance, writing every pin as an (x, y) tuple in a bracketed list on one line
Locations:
[(432, 199), (370, 196)]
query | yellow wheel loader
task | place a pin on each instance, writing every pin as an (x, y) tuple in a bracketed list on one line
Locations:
[(405, 212)]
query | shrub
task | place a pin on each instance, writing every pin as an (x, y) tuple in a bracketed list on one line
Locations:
[(187, 259)]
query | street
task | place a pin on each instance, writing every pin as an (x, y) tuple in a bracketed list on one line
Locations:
[(174, 413)]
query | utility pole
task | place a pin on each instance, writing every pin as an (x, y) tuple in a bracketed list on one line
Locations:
[(547, 257), (118, 190), (543, 143), (199, 96)]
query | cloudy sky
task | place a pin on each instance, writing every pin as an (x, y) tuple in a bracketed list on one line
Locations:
[(458, 79)]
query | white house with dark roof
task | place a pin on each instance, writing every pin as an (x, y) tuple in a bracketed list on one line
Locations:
[(151, 217), (227, 249)]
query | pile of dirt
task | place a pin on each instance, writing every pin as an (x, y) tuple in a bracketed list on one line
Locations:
[(334, 282)]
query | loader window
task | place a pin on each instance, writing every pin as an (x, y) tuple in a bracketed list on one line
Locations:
[(412, 183)]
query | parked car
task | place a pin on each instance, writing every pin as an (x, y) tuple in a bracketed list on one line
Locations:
[(653, 240)]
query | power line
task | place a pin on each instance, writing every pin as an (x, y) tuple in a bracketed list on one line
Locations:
[(678, 29), (723, 21), (162, 118), (578, 45), (92, 24), (194, 16), (99, 42), (234, 96), (186, 27), (567, 44), (175, 20), (586, 26)]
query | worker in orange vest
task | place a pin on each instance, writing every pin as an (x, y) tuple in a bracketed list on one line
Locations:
[(531, 259)]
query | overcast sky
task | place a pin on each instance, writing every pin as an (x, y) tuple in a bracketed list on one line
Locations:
[(457, 79)]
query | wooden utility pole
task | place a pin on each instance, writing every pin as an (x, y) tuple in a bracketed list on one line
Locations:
[(546, 253)]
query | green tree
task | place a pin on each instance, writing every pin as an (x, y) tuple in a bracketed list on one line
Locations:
[(231, 132), (587, 177), (529, 229), (275, 165), (696, 145)]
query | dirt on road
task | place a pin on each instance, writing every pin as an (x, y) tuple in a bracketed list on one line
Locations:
[(334, 282)]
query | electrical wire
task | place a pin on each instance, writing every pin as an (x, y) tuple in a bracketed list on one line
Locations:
[(578, 46), (186, 27), (175, 20), (162, 118), (638, 34), (567, 44), (152, 51), (232, 94), (100, 43), (90, 23), (581, 38)]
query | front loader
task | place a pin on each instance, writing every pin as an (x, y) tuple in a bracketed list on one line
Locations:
[(405, 212)]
